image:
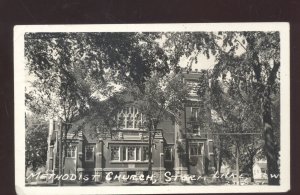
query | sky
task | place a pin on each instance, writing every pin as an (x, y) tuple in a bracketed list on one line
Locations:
[(208, 63), (202, 63)]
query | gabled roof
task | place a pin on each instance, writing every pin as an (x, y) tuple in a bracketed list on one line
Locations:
[(88, 129)]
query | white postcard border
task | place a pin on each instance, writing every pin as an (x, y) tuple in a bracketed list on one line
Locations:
[(19, 102)]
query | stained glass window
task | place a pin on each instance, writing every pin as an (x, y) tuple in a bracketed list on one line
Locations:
[(130, 118)]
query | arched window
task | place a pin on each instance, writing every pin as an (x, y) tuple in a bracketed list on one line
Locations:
[(121, 121), (129, 121), (130, 118)]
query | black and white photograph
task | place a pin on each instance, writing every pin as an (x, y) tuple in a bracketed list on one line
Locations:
[(152, 108)]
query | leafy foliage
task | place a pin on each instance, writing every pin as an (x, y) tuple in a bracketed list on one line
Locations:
[(163, 96), (35, 143), (72, 73), (245, 80), (79, 66)]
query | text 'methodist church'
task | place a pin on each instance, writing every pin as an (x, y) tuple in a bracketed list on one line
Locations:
[(127, 153)]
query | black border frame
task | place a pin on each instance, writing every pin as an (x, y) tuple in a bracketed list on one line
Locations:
[(136, 11)]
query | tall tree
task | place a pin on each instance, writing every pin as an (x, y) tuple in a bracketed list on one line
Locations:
[(70, 72), (60, 88), (162, 97), (259, 66), (254, 59), (35, 142), (236, 116)]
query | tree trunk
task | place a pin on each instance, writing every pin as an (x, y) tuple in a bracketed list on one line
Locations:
[(270, 145), (220, 163), (237, 164), (150, 158), (65, 147), (220, 157), (26, 167), (60, 155), (252, 163)]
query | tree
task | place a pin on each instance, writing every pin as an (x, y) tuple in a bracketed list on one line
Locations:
[(250, 150), (162, 97), (222, 146), (60, 89), (235, 116), (259, 66), (254, 59), (35, 142), (235, 113), (73, 70)]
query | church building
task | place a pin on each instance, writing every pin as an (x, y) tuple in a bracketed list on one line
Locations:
[(179, 148)]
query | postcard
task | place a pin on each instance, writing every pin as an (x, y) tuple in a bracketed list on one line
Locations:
[(152, 108)]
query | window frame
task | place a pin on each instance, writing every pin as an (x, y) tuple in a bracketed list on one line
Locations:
[(130, 114), (119, 153), (195, 130), (72, 151), (124, 150), (135, 153), (210, 146), (145, 154), (194, 86), (197, 112), (93, 152), (170, 148), (196, 144)]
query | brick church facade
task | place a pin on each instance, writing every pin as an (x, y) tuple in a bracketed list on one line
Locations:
[(180, 148)]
